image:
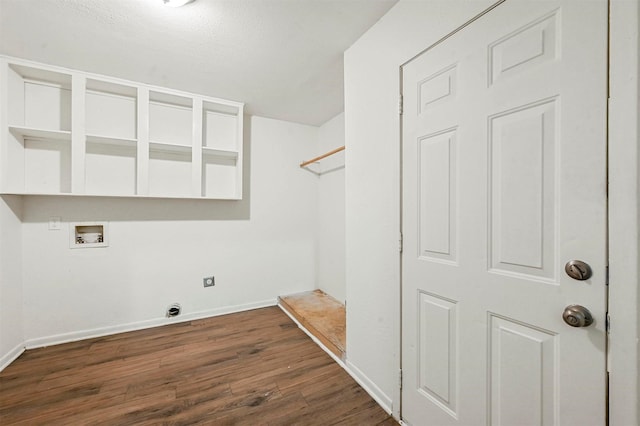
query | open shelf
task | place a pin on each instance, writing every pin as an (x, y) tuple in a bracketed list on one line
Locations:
[(111, 109), (31, 133), (220, 127), (68, 132), (39, 98), (108, 140), (103, 156), (170, 173), (219, 177), (211, 152), (38, 160), (170, 119), (47, 166), (170, 148)]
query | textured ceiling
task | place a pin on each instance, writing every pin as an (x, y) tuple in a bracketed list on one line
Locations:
[(283, 58)]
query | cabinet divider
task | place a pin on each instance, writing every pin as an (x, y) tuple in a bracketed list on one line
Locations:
[(4, 127), (196, 153), (143, 142), (240, 148), (78, 133)]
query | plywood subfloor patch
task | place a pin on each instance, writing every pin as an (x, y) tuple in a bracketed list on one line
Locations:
[(322, 315)]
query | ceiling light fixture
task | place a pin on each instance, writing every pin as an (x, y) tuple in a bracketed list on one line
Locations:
[(176, 3)]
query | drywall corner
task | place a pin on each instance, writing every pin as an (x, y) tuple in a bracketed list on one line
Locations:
[(331, 211), (11, 297)]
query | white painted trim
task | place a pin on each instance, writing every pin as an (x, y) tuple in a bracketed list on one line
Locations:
[(624, 213), (371, 388), (374, 391), (141, 325), (11, 356)]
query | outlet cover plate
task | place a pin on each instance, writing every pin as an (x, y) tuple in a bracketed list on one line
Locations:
[(209, 281)]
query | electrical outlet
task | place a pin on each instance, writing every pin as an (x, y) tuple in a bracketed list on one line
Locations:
[(209, 281), (54, 223)]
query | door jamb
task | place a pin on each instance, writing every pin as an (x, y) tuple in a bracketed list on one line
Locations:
[(624, 212)]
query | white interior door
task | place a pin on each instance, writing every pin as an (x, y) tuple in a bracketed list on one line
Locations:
[(504, 181)]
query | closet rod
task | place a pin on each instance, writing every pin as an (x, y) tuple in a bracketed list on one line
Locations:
[(320, 157)]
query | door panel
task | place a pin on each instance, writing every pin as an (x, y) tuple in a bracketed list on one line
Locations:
[(504, 181), (437, 351), (522, 210), (522, 361), (437, 195)]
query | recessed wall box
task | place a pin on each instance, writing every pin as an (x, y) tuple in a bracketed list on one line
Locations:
[(89, 234)]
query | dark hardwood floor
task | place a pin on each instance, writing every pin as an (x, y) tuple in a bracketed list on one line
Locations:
[(250, 368)]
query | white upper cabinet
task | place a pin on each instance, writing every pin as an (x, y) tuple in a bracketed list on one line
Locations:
[(71, 132)]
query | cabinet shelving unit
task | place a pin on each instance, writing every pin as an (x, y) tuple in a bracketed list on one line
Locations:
[(73, 133)]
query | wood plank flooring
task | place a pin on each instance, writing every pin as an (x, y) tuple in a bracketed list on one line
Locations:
[(250, 368), (322, 315)]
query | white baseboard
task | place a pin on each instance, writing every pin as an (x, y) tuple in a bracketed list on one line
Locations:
[(371, 388), (140, 325), (11, 356)]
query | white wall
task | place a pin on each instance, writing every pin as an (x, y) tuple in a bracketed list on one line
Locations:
[(373, 178), (160, 250), (331, 211), (11, 323)]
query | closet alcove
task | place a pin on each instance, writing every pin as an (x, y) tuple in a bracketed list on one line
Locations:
[(321, 314)]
